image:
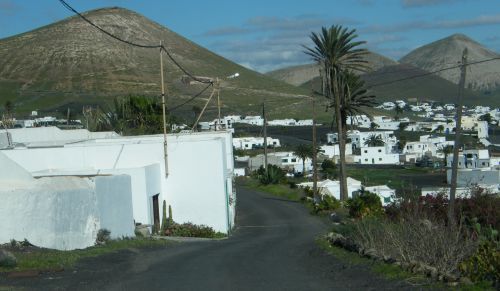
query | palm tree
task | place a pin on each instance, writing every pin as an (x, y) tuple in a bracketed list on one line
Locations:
[(337, 53), (303, 152), (446, 150), (374, 140), (355, 98)]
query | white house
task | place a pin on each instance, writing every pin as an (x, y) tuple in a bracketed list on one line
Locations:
[(332, 187), (198, 184), (64, 212), (285, 160), (381, 155), (282, 122), (475, 167), (386, 194), (252, 120), (248, 143), (332, 151), (362, 121)]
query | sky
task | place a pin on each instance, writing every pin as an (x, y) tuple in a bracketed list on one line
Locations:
[(265, 35)]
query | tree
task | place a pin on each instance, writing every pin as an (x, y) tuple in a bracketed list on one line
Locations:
[(303, 152), (138, 115), (439, 128), (446, 150), (403, 125), (329, 168), (337, 53), (196, 111), (373, 126), (374, 140), (354, 99), (485, 117), (398, 111), (8, 107)]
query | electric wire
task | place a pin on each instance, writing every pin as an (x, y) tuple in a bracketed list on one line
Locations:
[(161, 47), (189, 100), (430, 73)]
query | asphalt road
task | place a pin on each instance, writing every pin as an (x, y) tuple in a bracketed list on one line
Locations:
[(273, 248)]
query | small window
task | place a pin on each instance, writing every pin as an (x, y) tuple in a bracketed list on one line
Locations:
[(366, 160), (379, 151), (380, 159), (366, 151), (483, 163), (284, 160), (294, 160)]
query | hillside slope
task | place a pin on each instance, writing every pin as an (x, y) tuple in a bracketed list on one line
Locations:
[(448, 52), (71, 62), (298, 75), (385, 84)]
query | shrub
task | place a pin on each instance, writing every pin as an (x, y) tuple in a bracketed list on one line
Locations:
[(193, 230), (273, 175), (415, 240), (364, 204), (326, 204), (484, 265), (7, 259), (103, 236)]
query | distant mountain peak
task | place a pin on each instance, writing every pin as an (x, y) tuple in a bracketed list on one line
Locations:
[(441, 53)]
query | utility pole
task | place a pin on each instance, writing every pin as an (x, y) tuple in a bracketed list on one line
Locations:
[(217, 82), (165, 152), (458, 132), (67, 117), (314, 157), (265, 134)]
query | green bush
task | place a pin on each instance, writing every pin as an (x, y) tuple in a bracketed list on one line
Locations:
[(193, 230), (484, 264), (103, 236), (365, 204), (327, 203), (273, 175)]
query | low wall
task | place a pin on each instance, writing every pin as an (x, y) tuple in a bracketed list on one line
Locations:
[(66, 212)]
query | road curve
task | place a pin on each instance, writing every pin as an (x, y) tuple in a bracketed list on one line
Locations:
[(272, 248)]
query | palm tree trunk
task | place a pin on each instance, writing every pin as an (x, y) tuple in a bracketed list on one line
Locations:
[(335, 90)]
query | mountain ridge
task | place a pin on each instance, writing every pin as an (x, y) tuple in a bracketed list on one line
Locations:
[(448, 51), (70, 61)]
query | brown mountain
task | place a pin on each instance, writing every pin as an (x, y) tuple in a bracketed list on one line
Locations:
[(71, 62), (298, 75), (447, 52)]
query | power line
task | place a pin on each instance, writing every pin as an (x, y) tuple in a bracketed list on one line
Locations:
[(190, 99), (161, 47)]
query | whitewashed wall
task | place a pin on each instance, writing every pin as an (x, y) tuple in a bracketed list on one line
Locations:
[(66, 212), (114, 204)]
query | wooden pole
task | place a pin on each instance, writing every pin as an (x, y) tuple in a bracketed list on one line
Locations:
[(458, 132), (314, 157), (165, 148), (265, 134), (217, 81)]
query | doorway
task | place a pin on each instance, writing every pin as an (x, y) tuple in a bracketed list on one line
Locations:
[(156, 213)]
